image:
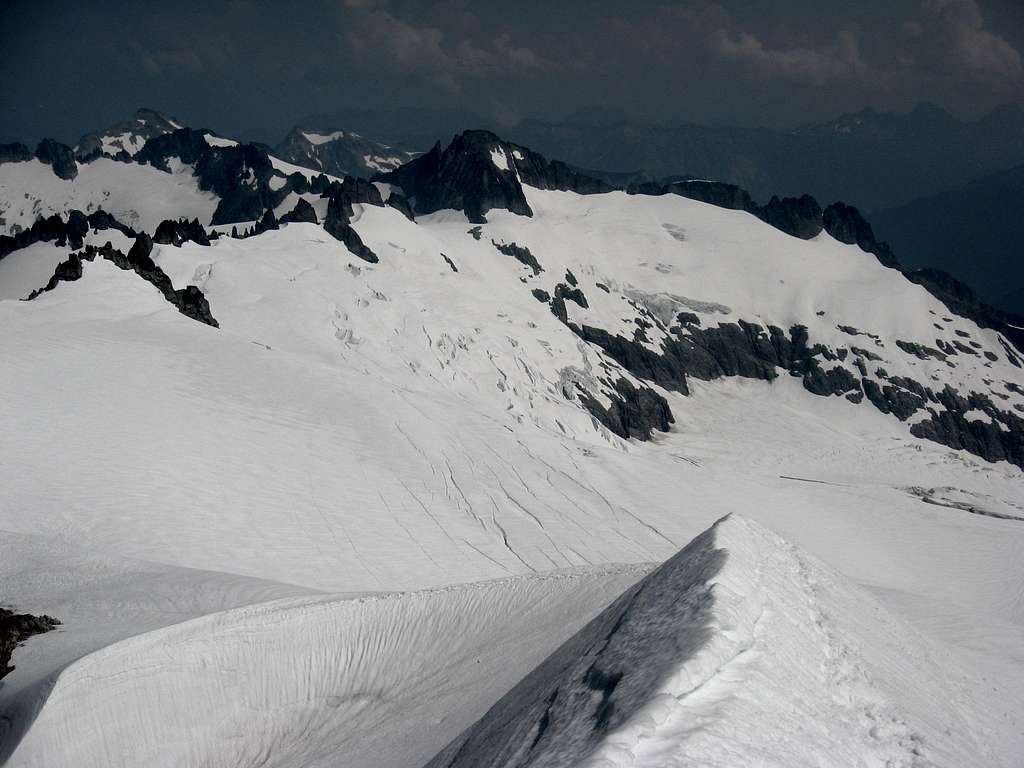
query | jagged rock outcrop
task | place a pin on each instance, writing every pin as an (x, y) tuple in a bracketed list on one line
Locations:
[(747, 350), (100, 220), (537, 171), (960, 300), (563, 292), (740, 349), (55, 229), (802, 217), (712, 192), (472, 174), (1001, 438), (240, 176), (574, 294), (520, 254), (319, 184), (186, 144), (401, 204), (797, 216), (302, 212), (190, 301), (77, 228), (42, 230), (124, 139), (342, 196), (59, 157), (15, 629), (846, 224), (15, 152), (478, 172), (266, 223), (180, 231), (633, 411)]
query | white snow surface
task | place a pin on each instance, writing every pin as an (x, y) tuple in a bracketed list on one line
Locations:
[(289, 168), (27, 269), (683, 668), (137, 195), (499, 158), (355, 428), (322, 138), (128, 141), (219, 141), (310, 681)]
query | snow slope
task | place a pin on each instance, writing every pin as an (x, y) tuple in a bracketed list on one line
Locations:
[(739, 650), (339, 153), (312, 681), (127, 137), (139, 196), (356, 428)]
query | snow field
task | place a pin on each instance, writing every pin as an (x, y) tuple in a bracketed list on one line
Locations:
[(137, 195), (356, 428), (381, 680)]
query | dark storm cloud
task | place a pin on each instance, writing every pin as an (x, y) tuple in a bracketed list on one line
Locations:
[(378, 40), (252, 68)]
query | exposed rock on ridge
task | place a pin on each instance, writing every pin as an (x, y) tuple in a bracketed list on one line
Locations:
[(190, 300)]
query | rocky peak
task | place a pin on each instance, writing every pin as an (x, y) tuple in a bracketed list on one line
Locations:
[(474, 174), (15, 152), (59, 156), (846, 224), (187, 144), (478, 171), (339, 152), (124, 139)]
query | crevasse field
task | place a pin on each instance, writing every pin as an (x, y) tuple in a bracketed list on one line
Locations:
[(366, 522)]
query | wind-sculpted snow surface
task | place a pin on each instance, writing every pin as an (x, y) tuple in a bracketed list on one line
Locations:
[(739, 650), (377, 681)]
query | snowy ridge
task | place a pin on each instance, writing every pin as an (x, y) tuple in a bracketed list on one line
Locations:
[(740, 648), (137, 195), (310, 681), (339, 153), (123, 140)]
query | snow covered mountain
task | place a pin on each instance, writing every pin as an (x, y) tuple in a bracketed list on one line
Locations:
[(381, 480), (124, 139), (124, 171), (339, 153)]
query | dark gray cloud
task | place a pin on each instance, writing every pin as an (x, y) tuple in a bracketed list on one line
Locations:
[(253, 67)]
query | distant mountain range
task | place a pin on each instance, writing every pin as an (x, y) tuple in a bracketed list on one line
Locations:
[(870, 159), (339, 152), (945, 192), (332, 151), (975, 231)]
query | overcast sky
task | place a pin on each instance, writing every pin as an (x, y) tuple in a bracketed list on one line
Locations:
[(252, 69)]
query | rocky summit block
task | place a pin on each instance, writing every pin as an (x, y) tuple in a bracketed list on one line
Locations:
[(478, 172), (59, 157)]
